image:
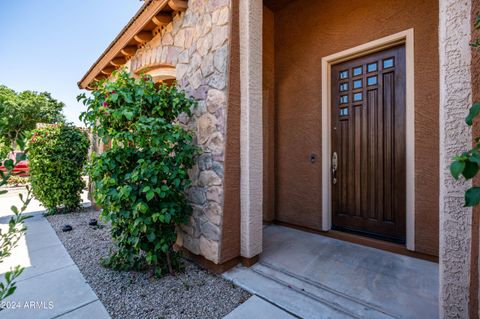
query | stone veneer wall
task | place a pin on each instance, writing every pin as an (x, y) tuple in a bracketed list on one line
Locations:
[(196, 43)]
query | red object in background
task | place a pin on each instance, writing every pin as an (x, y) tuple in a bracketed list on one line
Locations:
[(21, 169)]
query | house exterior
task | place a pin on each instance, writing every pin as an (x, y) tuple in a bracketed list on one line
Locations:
[(335, 117)]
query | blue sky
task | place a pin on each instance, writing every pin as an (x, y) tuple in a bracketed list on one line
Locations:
[(48, 45)]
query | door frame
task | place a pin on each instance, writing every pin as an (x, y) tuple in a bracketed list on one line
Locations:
[(407, 38)]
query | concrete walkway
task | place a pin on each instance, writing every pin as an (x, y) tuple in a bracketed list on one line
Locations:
[(256, 307), (51, 285), (12, 198), (313, 276)]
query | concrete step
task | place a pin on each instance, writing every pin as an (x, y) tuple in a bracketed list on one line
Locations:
[(348, 304), (299, 296)]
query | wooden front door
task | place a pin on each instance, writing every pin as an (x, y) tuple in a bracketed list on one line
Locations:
[(368, 145)]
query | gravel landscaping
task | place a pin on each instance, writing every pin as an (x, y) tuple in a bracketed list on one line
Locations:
[(194, 293)]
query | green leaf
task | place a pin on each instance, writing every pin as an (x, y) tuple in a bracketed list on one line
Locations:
[(143, 207), (474, 110), (151, 236), (150, 195), (10, 291), (14, 209), (177, 182), (168, 218), (9, 165), (470, 170), (128, 115), (475, 157), (456, 168), (472, 197), (21, 144)]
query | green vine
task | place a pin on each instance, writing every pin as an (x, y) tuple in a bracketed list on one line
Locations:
[(140, 182), (467, 164)]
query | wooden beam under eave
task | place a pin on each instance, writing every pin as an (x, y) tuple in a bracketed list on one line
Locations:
[(108, 70), (143, 36), (118, 62), (178, 5), (129, 50), (124, 39), (162, 19)]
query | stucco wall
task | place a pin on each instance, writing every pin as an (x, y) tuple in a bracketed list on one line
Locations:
[(306, 31), (455, 137), (475, 253), (268, 115), (197, 44)]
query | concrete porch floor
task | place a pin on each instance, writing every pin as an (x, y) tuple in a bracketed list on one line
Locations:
[(312, 276)]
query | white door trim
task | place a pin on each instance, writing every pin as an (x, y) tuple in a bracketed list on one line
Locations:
[(406, 37)]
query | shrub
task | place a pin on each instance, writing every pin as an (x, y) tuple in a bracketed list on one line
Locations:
[(140, 181), (57, 154)]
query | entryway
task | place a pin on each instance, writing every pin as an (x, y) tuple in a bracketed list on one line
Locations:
[(313, 276), (368, 164), (341, 127)]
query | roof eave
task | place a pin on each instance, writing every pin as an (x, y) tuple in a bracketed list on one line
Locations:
[(146, 14)]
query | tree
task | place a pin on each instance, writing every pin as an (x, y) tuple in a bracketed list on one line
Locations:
[(20, 112)]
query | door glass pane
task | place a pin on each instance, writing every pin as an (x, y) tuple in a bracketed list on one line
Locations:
[(344, 111), (372, 67), (357, 97), (343, 87), (357, 71), (357, 84), (344, 99), (372, 80), (388, 63), (344, 75)]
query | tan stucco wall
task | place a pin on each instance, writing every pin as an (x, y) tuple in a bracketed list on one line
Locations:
[(251, 129), (474, 261), (230, 243), (306, 31), (268, 115), (455, 137)]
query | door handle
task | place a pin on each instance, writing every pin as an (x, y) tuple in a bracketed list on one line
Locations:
[(334, 167)]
